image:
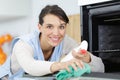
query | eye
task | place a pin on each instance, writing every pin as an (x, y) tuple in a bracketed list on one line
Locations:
[(62, 27), (49, 27)]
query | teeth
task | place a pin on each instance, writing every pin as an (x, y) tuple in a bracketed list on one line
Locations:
[(55, 38)]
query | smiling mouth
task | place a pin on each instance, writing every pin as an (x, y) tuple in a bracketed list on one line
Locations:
[(55, 39)]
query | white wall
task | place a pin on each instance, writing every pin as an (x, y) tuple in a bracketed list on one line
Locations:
[(15, 16), (15, 27)]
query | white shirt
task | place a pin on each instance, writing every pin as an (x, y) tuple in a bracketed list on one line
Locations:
[(22, 56)]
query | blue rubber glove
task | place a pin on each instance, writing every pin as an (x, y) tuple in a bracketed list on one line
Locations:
[(64, 74)]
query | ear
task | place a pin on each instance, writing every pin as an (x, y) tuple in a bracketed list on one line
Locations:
[(39, 27)]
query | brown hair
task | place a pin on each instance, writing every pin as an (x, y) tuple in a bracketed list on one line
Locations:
[(55, 10)]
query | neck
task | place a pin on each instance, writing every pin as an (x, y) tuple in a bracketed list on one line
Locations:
[(46, 49), (47, 53)]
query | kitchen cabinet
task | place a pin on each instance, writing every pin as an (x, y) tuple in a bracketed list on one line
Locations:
[(73, 28), (10, 9)]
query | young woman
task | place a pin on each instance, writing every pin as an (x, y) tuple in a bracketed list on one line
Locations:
[(39, 53)]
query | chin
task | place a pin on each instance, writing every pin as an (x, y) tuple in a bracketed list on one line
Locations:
[(55, 44)]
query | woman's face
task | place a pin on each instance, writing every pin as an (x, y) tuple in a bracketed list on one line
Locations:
[(52, 30)]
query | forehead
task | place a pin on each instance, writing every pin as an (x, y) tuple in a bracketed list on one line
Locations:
[(52, 19)]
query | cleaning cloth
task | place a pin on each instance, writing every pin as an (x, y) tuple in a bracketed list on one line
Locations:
[(64, 74)]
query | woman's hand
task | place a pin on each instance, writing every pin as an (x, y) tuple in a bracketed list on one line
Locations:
[(85, 57), (65, 65)]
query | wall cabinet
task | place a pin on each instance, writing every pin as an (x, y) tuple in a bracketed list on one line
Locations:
[(14, 8), (73, 29)]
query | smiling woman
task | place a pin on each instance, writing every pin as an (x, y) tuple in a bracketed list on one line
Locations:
[(39, 52)]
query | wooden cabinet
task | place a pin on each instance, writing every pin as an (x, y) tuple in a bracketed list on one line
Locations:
[(73, 28)]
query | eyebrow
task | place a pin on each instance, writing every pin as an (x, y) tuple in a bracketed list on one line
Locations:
[(60, 24), (63, 24)]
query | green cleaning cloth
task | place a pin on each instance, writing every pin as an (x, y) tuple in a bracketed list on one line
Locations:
[(64, 74)]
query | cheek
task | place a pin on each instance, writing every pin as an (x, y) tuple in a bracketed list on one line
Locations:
[(47, 32), (63, 32)]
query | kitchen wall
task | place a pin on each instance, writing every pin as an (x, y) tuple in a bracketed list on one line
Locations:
[(15, 16)]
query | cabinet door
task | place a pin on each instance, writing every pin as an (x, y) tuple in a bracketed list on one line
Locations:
[(73, 28)]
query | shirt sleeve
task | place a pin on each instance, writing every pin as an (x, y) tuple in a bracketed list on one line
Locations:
[(69, 44), (24, 55), (96, 64)]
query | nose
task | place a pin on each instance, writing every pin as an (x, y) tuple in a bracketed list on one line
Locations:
[(55, 31)]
